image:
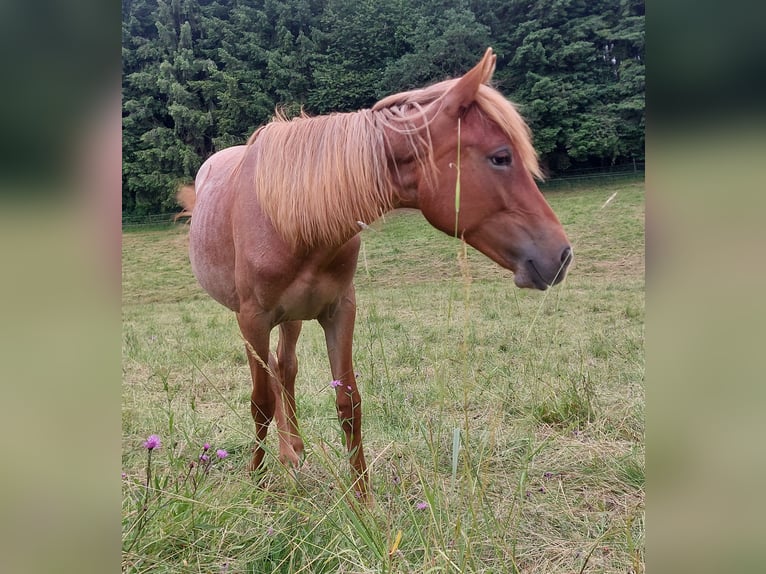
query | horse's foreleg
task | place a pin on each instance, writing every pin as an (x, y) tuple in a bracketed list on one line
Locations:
[(262, 401), (338, 325), (286, 368)]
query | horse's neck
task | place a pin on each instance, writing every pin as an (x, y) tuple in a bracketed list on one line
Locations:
[(405, 168), (406, 189)]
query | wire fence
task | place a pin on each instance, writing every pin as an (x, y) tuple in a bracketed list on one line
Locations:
[(574, 178), (152, 220)]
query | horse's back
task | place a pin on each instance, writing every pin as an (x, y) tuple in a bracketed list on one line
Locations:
[(211, 240)]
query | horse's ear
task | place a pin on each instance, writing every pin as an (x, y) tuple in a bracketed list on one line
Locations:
[(463, 93)]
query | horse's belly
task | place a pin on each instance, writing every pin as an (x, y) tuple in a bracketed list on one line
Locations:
[(211, 243), (214, 268)]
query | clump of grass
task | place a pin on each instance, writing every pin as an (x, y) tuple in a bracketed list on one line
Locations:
[(570, 408), (173, 491)]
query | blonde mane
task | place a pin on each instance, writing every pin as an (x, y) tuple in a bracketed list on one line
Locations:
[(319, 177)]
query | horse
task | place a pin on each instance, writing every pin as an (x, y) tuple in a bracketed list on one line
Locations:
[(275, 231)]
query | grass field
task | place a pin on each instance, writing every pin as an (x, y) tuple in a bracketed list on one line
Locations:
[(504, 427)]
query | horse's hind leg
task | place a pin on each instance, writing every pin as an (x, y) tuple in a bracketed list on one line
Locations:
[(262, 402), (285, 368)]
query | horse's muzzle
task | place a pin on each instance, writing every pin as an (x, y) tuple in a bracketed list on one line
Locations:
[(543, 276)]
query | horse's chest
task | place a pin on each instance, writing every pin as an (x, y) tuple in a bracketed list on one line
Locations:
[(310, 296)]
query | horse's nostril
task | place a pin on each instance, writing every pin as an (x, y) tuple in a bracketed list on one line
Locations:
[(566, 255)]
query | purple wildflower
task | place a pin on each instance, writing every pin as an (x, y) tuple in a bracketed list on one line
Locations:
[(124, 475), (335, 384), (152, 442), (270, 531), (221, 453), (206, 447), (421, 505), (204, 457)]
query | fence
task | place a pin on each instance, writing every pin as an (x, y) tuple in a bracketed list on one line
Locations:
[(574, 178), (151, 220)]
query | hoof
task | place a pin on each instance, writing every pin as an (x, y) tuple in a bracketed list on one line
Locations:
[(290, 459)]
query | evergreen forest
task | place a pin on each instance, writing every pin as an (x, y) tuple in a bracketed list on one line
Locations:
[(202, 75)]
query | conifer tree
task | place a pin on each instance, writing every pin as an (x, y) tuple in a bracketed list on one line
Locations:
[(202, 75)]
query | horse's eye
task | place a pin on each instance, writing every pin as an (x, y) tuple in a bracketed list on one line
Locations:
[(500, 159)]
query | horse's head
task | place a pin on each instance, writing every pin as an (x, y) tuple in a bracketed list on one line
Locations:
[(476, 133)]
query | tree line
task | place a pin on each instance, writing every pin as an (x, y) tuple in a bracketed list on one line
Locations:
[(201, 75)]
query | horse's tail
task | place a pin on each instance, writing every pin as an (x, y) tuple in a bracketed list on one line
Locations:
[(186, 197)]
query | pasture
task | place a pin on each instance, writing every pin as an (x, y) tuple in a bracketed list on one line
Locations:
[(504, 428)]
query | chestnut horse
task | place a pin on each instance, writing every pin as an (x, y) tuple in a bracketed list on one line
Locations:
[(275, 231)]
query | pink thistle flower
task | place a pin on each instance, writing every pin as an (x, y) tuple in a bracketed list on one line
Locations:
[(336, 384), (206, 447), (204, 457), (221, 453), (152, 442), (421, 505)]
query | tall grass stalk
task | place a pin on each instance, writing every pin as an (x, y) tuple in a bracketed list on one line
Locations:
[(457, 180), (457, 205)]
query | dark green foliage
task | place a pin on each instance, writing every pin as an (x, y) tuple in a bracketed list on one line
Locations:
[(202, 75), (578, 69)]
